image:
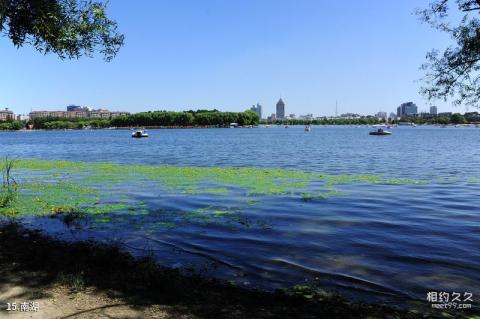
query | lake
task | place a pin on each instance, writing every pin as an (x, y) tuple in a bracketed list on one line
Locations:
[(414, 229)]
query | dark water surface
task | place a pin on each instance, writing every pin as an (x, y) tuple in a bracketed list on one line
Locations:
[(377, 242)]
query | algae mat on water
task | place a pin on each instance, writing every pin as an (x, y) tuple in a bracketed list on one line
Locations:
[(52, 187)]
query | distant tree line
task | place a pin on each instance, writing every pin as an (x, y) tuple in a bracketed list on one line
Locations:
[(217, 119), (155, 118), (51, 123), (11, 125), (326, 121), (188, 118), (455, 118)]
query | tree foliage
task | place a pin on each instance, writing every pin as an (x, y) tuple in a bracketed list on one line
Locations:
[(457, 118), (190, 118), (11, 125), (156, 118), (364, 120), (454, 73), (68, 28)]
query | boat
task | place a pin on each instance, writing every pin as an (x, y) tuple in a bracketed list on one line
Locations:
[(380, 130), (139, 133), (307, 128)]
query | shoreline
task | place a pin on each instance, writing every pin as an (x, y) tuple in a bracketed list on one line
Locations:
[(127, 128), (98, 277)]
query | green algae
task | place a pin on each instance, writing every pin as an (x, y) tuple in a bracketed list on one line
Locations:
[(220, 213), (48, 187)]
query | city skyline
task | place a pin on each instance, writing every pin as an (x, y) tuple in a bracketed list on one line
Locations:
[(301, 51), (79, 111)]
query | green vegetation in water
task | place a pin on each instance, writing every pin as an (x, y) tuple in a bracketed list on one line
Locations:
[(473, 180), (8, 189), (53, 187)]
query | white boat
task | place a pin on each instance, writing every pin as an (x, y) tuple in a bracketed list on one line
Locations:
[(379, 130), (139, 133), (307, 128)]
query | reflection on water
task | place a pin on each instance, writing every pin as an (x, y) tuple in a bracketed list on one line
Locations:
[(378, 241)]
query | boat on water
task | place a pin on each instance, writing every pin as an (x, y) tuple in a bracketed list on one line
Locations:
[(380, 130), (307, 128), (139, 133)]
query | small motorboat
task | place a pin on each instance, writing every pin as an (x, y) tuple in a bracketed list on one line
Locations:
[(139, 133), (380, 130), (307, 128)]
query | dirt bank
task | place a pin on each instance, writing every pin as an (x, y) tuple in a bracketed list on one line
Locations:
[(88, 280)]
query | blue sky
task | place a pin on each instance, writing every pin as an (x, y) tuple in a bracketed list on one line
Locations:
[(229, 55)]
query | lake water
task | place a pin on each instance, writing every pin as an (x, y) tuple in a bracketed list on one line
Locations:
[(376, 242)]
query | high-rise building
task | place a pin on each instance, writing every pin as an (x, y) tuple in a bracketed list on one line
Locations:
[(78, 108), (280, 109), (381, 115), (72, 108), (433, 110), (257, 109), (407, 109), (272, 118)]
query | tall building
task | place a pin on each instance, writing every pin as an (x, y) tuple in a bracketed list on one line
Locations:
[(280, 109), (272, 118), (433, 110), (407, 109), (6, 115), (257, 109), (381, 115), (72, 107)]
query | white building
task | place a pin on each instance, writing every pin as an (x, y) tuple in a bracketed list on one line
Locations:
[(23, 117)]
